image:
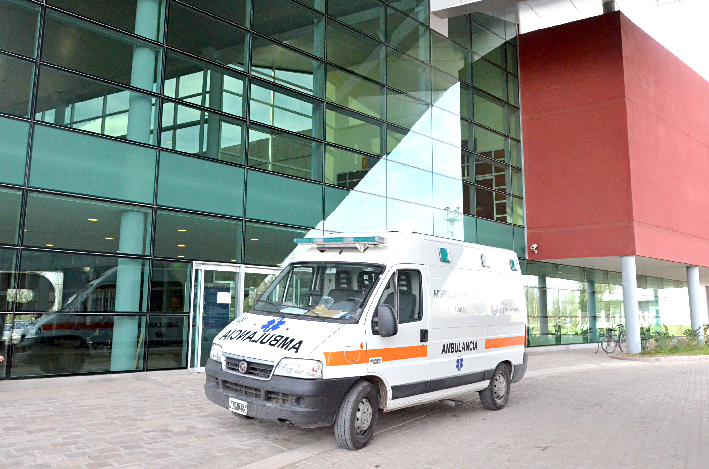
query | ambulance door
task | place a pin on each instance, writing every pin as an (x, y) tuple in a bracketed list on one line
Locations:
[(402, 359)]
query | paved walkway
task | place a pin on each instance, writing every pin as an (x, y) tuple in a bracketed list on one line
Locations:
[(573, 409)]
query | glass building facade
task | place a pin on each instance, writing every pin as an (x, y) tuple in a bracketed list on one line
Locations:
[(138, 137)]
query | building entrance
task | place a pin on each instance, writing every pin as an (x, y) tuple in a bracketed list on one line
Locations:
[(220, 293)]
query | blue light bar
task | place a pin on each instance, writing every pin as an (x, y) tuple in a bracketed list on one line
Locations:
[(359, 242)]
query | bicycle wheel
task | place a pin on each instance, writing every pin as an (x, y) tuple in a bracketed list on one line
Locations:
[(621, 341), (608, 344)]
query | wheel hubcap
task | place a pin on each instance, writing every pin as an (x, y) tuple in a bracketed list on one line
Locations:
[(499, 386), (363, 418)]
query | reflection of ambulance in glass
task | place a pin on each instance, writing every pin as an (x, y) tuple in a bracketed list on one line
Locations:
[(358, 324)]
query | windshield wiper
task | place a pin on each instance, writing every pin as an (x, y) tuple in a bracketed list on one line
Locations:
[(316, 314)]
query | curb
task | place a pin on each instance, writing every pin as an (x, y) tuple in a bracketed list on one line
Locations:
[(669, 358)]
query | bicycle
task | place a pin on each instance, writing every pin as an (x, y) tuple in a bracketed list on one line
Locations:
[(610, 342)]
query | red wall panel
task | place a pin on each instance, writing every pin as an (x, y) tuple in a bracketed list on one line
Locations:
[(615, 144)]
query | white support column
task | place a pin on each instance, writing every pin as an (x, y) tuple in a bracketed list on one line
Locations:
[(630, 304), (697, 300)]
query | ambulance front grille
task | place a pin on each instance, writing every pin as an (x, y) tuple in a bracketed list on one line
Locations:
[(241, 389), (279, 398), (255, 369)]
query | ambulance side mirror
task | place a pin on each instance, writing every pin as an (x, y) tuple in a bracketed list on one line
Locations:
[(384, 322)]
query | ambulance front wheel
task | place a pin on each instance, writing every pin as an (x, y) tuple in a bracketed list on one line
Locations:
[(357, 417), (496, 394)]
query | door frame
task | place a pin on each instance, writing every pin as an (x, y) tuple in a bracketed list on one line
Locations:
[(241, 269)]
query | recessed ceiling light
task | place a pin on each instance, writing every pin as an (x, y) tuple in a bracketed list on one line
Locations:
[(50, 245), (233, 260), (93, 219), (180, 245), (181, 231), (109, 238), (180, 256), (254, 239)]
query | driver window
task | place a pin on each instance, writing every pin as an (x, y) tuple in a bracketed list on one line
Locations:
[(403, 294)]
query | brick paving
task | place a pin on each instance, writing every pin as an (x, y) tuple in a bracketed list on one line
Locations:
[(574, 409)]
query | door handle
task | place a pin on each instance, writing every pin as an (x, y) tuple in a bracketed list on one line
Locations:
[(424, 335)]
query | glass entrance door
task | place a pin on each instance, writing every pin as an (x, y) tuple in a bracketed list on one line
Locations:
[(217, 290), (220, 293)]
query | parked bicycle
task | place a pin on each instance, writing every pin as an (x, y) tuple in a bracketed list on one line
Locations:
[(613, 340)]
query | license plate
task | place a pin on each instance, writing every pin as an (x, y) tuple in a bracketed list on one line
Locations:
[(235, 405)]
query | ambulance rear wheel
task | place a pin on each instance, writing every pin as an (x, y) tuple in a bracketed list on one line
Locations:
[(496, 394), (357, 417)]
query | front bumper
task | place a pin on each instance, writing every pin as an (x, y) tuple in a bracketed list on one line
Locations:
[(302, 402)]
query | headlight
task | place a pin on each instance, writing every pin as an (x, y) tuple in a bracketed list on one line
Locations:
[(297, 368), (216, 353)]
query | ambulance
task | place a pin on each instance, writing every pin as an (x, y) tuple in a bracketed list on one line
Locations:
[(358, 324)]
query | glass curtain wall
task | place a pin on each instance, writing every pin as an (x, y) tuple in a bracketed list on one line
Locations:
[(571, 305), (137, 136)]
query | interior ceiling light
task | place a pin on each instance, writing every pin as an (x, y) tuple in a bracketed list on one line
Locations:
[(233, 260), (254, 239), (93, 219), (180, 256), (180, 245), (109, 238), (50, 245), (181, 231)]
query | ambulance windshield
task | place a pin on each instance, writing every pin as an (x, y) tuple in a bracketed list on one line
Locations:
[(333, 291)]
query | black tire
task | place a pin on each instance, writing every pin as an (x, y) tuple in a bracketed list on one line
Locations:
[(357, 417), (608, 345), (496, 394), (621, 342)]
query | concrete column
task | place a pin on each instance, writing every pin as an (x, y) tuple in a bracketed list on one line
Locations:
[(543, 312), (630, 304), (592, 312), (697, 301), (126, 346)]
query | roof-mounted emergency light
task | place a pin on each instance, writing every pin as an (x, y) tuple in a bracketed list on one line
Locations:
[(351, 242)]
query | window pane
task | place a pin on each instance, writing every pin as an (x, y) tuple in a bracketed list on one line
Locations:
[(490, 144), (450, 57), (13, 150), (18, 27), (167, 341), (170, 287), (496, 25), (271, 198), (407, 35), (447, 160), (408, 75), (409, 184), (405, 216), (447, 192), (512, 90), (407, 112), (409, 148), (195, 184), (516, 181), (280, 108), (417, 9), (9, 215), (356, 93), (236, 11), (445, 92), (492, 205), (517, 211), (365, 15), (83, 283), (16, 78), (515, 153), (489, 45), (283, 153), (290, 23), (490, 113), (184, 236), (120, 14), (490, 175), (286, 67), (77, 224), (409, 299), (202, 133), (72, 162), (103, 54), (450, 222), (355, 52), (459, 30), (495, 234), (354, 171), (92, 106), (511, 58), (269, 245), (342, 204), (354, 131), (489, 78), (206, 37), (445, 126), (202, 84)]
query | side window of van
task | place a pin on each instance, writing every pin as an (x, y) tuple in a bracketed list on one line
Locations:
[(403, 294)]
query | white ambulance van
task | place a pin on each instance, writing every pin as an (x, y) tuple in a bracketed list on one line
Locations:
[(362, 323)]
